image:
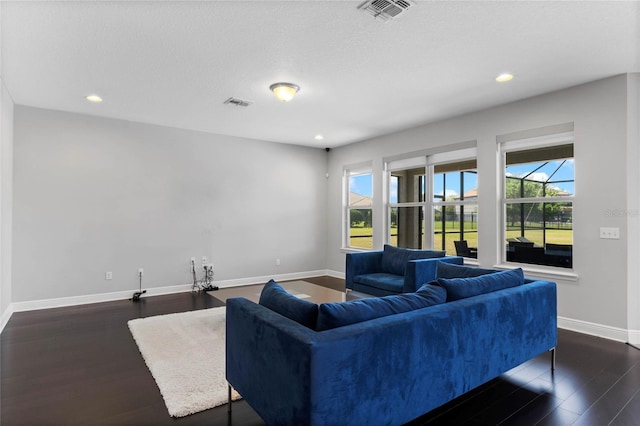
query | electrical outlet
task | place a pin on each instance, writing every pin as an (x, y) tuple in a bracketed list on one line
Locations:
[(277, 262), (140, 272), (204, 260), (610, 233), (108, 275)]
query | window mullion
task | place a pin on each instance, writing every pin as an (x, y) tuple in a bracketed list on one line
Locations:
[(565, 199)]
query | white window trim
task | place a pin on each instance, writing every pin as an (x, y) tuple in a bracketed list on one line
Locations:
[(464, 154), (513, 145), (390, 205), (536, 142), (347, 172), (427, 159), (452, 156)]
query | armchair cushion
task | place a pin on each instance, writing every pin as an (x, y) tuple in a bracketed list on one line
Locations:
[(394, 259), (461, 288), (386, 282), (339, 314), (277, 299)]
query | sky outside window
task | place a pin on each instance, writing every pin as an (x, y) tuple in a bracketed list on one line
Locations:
[(361, 184), (565, 172)]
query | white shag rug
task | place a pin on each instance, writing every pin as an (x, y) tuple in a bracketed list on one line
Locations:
[(185, 353)]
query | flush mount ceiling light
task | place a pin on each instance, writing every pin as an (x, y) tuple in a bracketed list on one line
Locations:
[(504, 77), (319, 137), (93, 98), (284, 91)]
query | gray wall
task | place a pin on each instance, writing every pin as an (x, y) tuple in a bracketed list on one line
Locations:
[(633, 206), (599, 113), (6, 178), (6, 186), (6, 183), (93, 195)]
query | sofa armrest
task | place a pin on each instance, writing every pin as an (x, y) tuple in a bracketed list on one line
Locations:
[(361, 263), (268, 360), (422, 271)]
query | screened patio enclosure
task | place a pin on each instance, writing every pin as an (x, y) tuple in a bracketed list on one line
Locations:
[(539, 188)]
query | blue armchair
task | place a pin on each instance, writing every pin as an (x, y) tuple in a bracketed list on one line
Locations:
[(393, 270)]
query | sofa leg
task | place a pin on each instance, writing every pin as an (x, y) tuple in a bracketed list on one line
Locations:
[(229, 398), (553, 359)]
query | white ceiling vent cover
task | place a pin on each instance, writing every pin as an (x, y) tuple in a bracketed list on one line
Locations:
[(385, 10), (237, 102)]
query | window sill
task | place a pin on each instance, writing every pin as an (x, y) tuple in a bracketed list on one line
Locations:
[(541, 271), (354, 250), (468, 260)]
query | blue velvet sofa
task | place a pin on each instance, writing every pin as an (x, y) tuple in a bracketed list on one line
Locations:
[(387, 370), (393, 270)]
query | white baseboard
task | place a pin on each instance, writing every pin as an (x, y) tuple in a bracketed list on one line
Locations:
[(607, 332), (599, 330), (264, 279), (6, 315), (61, 302), (32, 305), (634, 337), (335, 274)]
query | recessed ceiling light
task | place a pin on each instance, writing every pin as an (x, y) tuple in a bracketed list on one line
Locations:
[(94, 98), (504, 77), (319, 137)]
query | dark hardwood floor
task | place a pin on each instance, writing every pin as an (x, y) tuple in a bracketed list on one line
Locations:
[(80, 366)]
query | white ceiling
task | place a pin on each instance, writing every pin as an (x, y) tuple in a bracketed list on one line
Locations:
[(174, 63)]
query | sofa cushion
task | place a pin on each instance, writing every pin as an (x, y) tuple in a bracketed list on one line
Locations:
[(388, 282), (449, 270), (277, 299), (339, 314), (394, 259), (461, 288)]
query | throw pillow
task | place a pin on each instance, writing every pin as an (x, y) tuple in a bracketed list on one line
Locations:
[(450, 270), (277, 299), (461, 288), (339, 314), (394, 259)]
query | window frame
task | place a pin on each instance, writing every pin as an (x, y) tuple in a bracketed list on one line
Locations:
[(348, 172), (428, 160), (406, 164), (449, 157), (532, 143)]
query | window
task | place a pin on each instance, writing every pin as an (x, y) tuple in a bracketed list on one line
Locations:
[(433, 202), (406, 206), (454, 204), (358, 208), (538, 190)]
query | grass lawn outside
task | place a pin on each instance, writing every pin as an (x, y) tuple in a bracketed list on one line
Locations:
[(554, 236), (362, 237)]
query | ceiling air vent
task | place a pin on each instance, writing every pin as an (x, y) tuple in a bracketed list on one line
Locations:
[(237, 102), (385, 10)]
